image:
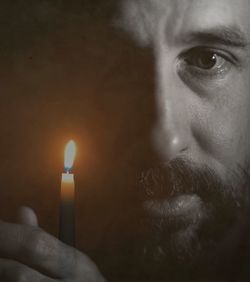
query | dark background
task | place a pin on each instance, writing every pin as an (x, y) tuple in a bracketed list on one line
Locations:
[(67, 72)]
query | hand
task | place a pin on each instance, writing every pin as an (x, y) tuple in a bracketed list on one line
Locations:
[(27, 253)]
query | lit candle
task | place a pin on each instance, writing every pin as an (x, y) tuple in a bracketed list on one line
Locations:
[(67, 207)]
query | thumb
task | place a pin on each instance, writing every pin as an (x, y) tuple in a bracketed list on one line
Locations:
[(27, 216)]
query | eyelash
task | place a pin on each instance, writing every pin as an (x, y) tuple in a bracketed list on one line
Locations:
[(189, 62)]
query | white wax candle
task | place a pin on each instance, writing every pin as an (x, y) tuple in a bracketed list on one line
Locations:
[(67, 207)]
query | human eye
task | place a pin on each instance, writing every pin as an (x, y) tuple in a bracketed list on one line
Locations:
[(205, 63)]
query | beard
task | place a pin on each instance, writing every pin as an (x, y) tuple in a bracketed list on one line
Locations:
[(192, 217), (180, 220)]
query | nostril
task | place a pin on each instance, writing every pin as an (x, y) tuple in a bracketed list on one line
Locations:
[(177, 144), (169, 149), (183, 150), (169, 143)]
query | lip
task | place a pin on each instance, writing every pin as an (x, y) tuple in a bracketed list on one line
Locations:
[(180, 210)]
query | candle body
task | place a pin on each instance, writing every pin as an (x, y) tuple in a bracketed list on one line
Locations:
[(67, 210)]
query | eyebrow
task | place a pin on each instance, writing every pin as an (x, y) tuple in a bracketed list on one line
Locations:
[(223, 35)]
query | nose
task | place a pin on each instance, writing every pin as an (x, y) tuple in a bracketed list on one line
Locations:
[(171, 133)]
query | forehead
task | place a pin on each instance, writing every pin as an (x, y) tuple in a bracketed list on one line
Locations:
[(143, 18)]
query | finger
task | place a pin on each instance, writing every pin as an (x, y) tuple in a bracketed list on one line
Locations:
[(37, 249), (27, 216), (13, 271)]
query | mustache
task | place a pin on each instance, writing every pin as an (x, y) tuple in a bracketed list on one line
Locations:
[(185, 177)]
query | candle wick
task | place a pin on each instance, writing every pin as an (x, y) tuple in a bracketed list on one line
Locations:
[(66, 170)]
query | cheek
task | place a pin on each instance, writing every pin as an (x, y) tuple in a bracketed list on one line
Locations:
[(222, 126)]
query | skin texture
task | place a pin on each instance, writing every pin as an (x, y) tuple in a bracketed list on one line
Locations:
[(202, 117), (35, 252), (198, 116), (30, 254), (202, 109)]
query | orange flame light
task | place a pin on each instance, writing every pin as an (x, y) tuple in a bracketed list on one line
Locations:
[(69, 155)]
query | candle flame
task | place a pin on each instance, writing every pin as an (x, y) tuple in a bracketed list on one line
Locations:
[(69, 155)]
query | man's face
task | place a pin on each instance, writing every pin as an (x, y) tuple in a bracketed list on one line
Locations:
[(202, 72), (201, 133)]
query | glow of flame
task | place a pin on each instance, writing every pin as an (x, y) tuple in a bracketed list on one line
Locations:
[(69, 155)]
